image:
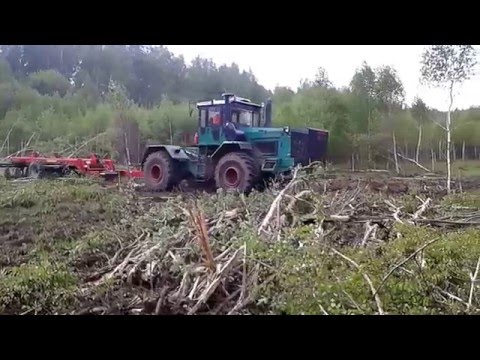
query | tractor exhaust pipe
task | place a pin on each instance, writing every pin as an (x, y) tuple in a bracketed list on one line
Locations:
[(226, 109), (268, 113)]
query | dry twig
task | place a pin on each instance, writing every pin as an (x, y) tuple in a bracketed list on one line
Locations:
[(473, 279), (411, 256), (366, 277), (276, 203), (422, 208)]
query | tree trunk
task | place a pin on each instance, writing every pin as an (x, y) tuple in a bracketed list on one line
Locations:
[(475, 152), (433, 161), (395, 153), (419, 142), (454, 151), (449, 140), (171, 131), (439, 149), (353, 161), (463, 151), (369, 137)]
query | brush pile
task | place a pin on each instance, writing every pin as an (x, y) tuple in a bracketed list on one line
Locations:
[(343, 245), (209, 254)]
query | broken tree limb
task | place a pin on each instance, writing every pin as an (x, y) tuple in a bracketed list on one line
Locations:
[(23, 148), (7, 138), (414, 162), (448, 222), (369, 229), (411, 256), (422, 208), (84, 144), (366, 277), (276, 203), (219, 276), (473, 280), (396, 211)]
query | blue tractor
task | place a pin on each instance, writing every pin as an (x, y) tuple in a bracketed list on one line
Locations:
[(236, 148)]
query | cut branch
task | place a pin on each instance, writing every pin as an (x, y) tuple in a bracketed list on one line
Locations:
[(366, 277), (473, 278), (276, 203), (369, 229), (422, 208), (414, 162), (403, 262)]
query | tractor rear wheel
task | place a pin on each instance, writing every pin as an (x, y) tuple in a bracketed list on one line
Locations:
[(36, 171), (159, 171), (236, 171)]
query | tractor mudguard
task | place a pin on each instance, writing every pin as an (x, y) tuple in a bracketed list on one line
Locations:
[(229, 146), (175, 152)]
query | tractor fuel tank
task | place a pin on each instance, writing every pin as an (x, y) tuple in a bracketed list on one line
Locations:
[(308, 145)]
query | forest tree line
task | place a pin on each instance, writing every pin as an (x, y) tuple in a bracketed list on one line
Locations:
[(69, 93)]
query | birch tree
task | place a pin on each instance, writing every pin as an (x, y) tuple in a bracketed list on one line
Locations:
[(447, 66), (420, 114)]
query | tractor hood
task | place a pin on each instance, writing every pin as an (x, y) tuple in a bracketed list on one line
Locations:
[(265, 133)]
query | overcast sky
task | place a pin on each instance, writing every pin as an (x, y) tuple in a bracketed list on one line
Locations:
[(286, 65)]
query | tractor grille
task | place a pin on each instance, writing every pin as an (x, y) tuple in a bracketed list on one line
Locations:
[(267, 148)]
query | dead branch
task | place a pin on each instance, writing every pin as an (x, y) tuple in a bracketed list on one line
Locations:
[(276, 203), (447, 222), (352, 198), (198, 220), (473, 278), (366, 277), (25, 147), (296, 198), (411, 256), (396, 211), (415, 162), (161, 299), (219, 275), (83, 145), (369, 228), (422, 208), (322, 309), (7, 137)]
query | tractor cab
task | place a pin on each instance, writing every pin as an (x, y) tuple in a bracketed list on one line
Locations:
[(228, 119)]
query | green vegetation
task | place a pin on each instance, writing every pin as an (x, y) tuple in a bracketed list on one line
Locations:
[(333, 246), (313, 279), (66, 94), (78, 248)]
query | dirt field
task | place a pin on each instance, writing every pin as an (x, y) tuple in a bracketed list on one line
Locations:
[(333, 245)]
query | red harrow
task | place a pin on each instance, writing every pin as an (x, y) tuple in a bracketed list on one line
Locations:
[(35, 165)]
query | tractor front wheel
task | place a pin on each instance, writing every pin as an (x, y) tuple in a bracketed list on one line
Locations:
[(236, 171), (159, 171)]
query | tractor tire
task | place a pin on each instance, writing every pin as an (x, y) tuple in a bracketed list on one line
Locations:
[(159, 172), (237, 171), (36, 171)]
